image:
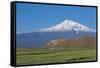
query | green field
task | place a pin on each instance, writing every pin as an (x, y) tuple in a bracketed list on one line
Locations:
[(26, 56)]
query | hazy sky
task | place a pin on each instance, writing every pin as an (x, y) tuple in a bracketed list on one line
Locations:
[(31, 17)]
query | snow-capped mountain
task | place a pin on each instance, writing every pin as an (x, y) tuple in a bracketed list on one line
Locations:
[(66, 30), (67, 25)]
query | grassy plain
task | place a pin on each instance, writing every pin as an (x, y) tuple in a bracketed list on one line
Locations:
[(28, 56)]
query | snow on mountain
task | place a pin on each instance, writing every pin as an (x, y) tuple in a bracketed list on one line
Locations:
[(68, 25)]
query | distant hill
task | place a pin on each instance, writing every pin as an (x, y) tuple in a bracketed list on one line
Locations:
[(81, 42)]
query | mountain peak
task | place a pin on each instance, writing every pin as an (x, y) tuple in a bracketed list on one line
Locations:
[(68, 25), (68, 22)]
